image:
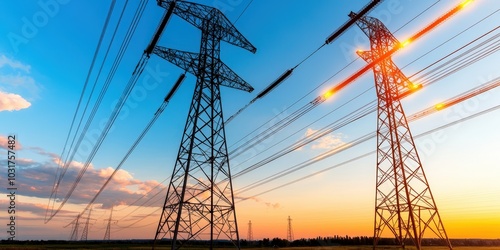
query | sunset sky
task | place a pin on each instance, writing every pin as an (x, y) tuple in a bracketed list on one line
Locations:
[(46, 49)]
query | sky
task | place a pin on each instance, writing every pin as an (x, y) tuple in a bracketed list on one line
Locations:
[(47, 48)]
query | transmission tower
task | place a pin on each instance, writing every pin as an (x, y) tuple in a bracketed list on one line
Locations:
[(107, 234), (404, 202), (199, 204), (86, 228), (289, 231), (74, 232), (250, 233)]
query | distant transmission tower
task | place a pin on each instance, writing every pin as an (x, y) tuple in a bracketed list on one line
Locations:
[(74, 232), (199, 204), (107, 234), (250, 233), (289, 231), (404, 202), (86, 228)]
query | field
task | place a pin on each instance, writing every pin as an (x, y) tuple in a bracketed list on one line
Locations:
[(147, 246)]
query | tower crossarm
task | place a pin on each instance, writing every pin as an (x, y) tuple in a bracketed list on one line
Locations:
[(375, 29), (382, 40), (230, 79), (185, 60), (198, 15), (189, 61)]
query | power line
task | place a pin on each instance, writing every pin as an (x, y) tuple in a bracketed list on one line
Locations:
[(342, 163), (445, 104), (287, 74), (357, 114), (135, 75), (105, 26), (372, 152), (245, 9), (425, 112), (431, 79), (139, 139), (366, 9)]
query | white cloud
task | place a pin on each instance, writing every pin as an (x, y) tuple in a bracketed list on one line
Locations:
[(11, 102)]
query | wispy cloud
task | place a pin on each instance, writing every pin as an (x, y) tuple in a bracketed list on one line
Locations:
[(268, 204), (328, 141), (5, 61), (37, 180), (4, 143), (12, 102), (15, 77)]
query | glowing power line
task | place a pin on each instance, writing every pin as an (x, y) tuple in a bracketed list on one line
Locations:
[(389, 53)]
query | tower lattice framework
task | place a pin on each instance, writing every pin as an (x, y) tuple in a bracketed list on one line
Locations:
[(250, 232), (199, 204), (74, 231), (107, 234), (289, 231), (86, 228), (404, 203)]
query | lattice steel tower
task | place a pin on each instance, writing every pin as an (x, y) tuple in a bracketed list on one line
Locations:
[(86, 228), (107, 234), (250, 233), (74, 231), (404, 202), (289, 231), (199, 204)]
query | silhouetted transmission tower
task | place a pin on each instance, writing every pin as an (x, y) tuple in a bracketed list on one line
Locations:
[(86, 228), (289, 231), (199, 204), (404, 202), (250, 233), (74, 231), (107, 234)]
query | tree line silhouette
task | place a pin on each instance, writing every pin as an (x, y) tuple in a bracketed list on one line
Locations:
[(359, 240)]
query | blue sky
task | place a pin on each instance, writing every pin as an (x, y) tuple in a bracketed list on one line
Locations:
[(47, 47)]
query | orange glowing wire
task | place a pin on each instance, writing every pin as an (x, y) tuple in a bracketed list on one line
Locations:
[(439, 106), (465, 3), (413, 38), (405, 43), (328, 94)]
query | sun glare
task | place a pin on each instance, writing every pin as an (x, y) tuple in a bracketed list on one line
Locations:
[(414, 87), (439, 106), (328, 94), (465, 3), (405, 43)]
